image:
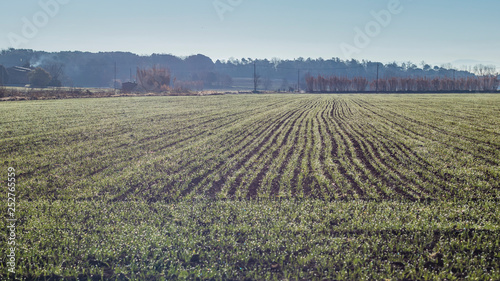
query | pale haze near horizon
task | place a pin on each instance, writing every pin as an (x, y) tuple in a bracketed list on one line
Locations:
[(437, 32)]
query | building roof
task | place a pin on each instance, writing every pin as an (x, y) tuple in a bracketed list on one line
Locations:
[(20, 69)]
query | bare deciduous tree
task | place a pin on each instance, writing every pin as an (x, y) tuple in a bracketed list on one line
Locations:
[(155, 79), (56, 71), (267, 83), (486, 83)]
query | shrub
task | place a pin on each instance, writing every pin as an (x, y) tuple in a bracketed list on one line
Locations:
[(39, 78)]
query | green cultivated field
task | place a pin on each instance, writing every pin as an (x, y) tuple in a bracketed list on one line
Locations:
[(256, 187)]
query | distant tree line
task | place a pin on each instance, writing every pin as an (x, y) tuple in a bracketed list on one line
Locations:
[(320, 83), (85, 69), (290, 69)]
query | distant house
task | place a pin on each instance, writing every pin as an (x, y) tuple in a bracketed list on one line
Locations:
[(4, 76), (128, 87), (18, 76)]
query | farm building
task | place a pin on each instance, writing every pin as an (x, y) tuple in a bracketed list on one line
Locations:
[(128, 87), (4, 76), (18, 76)]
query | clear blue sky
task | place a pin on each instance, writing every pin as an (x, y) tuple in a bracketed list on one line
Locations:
[(418, 30)]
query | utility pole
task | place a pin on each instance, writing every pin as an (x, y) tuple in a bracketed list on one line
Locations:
[(114, 81), (254, 77), (454, 81), (298, 81), (376, 82)]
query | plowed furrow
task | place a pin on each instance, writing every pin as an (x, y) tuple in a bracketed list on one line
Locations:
[(402, 154), (202, 178), (218, 184), (394, 179), (252, 153), (299, 151), (331, 155), (243, 134), (437, 129), (331, 188), (275, 147), (308, 181), (413, 134), (275, 183), (344, 155)]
